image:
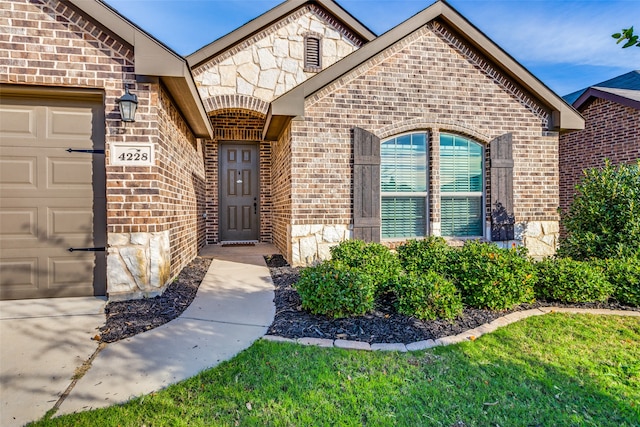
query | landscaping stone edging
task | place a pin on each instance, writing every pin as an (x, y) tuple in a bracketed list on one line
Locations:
[(469, 335)]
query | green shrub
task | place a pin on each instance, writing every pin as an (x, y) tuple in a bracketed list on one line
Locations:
[(427, 296), (373, 259), (491, 277), (334, 289), (430, 254), (624, 276), (604, 218), (567, 280)]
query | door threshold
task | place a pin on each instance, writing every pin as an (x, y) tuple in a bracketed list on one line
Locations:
[(238, 243)]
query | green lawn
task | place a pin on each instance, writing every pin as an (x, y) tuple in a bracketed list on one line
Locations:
[(552, 370)]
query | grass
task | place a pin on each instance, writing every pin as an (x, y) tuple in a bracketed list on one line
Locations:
[(557, 369)]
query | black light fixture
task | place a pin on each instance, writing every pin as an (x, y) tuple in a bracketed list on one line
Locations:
[(128, 105)]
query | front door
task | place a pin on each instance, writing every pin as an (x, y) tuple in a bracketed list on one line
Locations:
[(239, 193)]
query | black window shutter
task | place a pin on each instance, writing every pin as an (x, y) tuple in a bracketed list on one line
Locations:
[(502, 216), (366, 186)]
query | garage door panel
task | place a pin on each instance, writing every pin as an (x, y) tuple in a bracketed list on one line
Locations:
[(18, 122), (19, 273), (17, 172), (74, 271), (18, 223), (70, 124), (70, 174), (71, 224)]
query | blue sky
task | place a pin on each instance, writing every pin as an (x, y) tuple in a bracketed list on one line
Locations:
[(566, 44)]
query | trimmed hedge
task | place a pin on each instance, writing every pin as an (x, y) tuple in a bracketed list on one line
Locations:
[(373, 259), (430, 254), (624, 276), (427, 296), (334, 289), (491, 277), (568, 280)]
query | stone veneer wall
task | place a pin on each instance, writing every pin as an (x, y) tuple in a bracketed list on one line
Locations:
[(428, 81), (612, 131), (47, 43), (271, 62)]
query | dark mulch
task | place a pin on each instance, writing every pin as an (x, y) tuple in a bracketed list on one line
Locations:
[(128, 318), (384, 325)]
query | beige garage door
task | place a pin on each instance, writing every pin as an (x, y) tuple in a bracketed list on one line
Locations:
[(52, 203)]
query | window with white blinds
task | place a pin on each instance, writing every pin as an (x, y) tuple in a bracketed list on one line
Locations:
[(461, 186), (403, 182)]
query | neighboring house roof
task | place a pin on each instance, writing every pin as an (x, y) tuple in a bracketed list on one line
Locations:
[(624, 89), (152, 58), (272, 16), (291, 104)]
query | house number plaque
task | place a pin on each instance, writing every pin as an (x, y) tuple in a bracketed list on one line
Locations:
[(138, 154)]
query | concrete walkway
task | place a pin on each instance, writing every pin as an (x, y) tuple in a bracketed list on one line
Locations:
[(42, 350)]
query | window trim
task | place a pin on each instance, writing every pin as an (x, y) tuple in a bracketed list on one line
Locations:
[(423, 194), (483, 193)]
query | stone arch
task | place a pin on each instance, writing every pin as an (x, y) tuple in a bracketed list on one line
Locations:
[(239, 102)]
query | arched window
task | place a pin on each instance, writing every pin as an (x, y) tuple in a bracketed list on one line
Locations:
[(403, 181), (461, 186)]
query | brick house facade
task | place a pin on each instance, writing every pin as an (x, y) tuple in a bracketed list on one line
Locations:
[(254, 136), (153, 214), (611, 111)]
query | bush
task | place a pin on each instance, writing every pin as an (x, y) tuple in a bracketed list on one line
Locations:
[(491, 277), (427, 296), (624, 276), (334, 289), (567, 280), (373, 259), (604, 218), (430, 254)]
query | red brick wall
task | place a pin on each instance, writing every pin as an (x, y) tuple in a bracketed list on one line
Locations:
[(281, 191), (181, 178), (612, 131), (428, 81)]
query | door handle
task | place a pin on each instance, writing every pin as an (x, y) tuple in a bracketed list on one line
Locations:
[(255, 208)]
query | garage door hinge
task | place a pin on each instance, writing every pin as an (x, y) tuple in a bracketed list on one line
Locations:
[(102, 249), (71, 150)]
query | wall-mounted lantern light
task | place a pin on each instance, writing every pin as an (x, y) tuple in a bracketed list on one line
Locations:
[(128, 105)]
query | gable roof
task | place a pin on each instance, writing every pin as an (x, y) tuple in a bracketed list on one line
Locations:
[(152, 58), (270, 17), (624, 89), (291, 104)]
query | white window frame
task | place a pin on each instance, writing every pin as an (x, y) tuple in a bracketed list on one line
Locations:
[(482, 194), (421, 194)]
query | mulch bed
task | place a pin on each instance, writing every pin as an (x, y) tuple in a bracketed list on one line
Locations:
[(383, 325), (128, 318)]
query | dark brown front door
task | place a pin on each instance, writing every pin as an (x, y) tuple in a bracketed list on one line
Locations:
[(239, 193)]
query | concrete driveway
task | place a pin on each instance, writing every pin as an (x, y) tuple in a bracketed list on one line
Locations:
[(43, 342)]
